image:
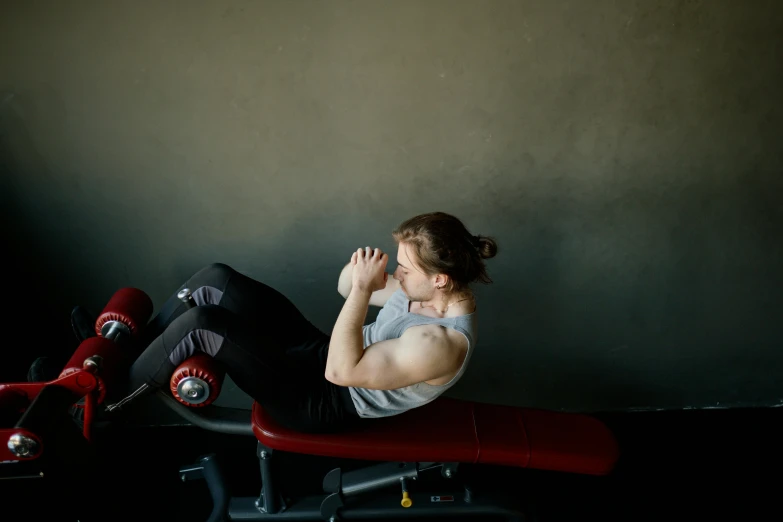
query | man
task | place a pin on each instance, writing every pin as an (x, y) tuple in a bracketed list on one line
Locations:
[(418, 347)]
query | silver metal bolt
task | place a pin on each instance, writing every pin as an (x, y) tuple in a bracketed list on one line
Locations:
[(93, 363), (263, 454), (20, 445), (193, 390), (447, 473), (182, 477)]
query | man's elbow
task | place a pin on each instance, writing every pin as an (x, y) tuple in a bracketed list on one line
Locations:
[(335, 377), (344, 378)]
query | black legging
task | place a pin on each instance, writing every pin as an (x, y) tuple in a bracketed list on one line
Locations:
[(270, 350)]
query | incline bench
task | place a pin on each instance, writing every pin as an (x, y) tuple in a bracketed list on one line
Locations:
[(433, 439)]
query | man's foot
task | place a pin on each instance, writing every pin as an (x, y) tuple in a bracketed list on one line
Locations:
[(43, 369), (83, 323)]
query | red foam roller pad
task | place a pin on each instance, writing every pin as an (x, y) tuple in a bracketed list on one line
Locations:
[(113, 362), (129, 306), (200, 366)]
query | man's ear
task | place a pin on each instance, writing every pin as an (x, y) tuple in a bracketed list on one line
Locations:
[(441, 280)]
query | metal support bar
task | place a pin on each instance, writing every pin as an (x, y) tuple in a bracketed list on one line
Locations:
[(269, 501), (379, 476), (209, 469), (341, 485), (231, 427), (383, 505)]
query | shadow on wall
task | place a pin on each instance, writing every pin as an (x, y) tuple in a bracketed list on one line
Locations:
[(659, 293), (34, 287), (523, 356), (611, 291)]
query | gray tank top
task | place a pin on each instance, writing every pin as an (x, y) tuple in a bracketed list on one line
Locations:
[(393, 319)]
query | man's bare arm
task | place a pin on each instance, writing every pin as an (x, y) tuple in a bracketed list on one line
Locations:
[(344, 282), (346, 344), (377, 298), (419, 355)]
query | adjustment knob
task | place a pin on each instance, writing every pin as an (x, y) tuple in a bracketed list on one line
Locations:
[(406, 501), (23, 446), (193, 390), (186, 297)]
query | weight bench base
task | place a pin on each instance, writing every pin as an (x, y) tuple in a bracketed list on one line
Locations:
[(382, 505)]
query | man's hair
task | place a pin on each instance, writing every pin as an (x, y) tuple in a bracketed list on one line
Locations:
[(444, 246)]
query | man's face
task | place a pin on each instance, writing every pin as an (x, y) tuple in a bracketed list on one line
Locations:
[(416, 285)]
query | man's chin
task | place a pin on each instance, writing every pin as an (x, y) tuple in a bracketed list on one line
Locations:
[(410, 297)]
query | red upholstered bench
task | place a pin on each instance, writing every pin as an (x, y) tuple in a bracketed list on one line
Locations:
[(437, 437), (450, 430), (440, 436)]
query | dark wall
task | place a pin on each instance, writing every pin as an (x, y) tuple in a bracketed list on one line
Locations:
[(626, 155)]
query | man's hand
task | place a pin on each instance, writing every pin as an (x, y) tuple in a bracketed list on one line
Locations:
[(369, 269)]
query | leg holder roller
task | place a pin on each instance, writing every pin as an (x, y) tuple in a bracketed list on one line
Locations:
[(197, 381), (126, 313), (101, 357)]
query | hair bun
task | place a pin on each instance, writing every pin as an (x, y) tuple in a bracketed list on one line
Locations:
[(486, 247)]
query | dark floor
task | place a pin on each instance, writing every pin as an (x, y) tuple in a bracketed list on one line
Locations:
[(716, 464)]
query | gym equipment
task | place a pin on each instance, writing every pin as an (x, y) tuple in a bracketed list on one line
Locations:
[(439, 436), (97, 364), (438, 439)]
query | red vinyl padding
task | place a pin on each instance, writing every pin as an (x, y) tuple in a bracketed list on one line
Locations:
[(129, 306), (448, 422), (450, 430), (113, 362), (204, 367), (569, 442)]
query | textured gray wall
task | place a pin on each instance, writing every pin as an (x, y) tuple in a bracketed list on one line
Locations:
[(626, 155)]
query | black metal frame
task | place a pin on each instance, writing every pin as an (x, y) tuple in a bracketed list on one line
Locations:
[(344, 497)]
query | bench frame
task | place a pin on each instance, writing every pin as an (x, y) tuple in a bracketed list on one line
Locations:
[(344, 492), (344, 498)]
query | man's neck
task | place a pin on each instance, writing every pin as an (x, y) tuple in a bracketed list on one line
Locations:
[(446, 303)]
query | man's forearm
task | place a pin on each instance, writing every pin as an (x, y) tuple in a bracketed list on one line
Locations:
[(347, 344), (344, 281)]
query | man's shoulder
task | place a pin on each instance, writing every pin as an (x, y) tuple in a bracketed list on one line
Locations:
[(434, 337), (424, 331), (434, 346)]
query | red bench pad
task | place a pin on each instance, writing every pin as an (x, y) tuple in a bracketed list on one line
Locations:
[(450, 430)]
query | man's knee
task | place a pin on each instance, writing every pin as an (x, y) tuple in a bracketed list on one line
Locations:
[(208, 284), (216, 271), (206, 317), (200, 329)]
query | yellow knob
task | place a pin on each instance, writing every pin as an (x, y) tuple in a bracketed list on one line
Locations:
[(406, 500)]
